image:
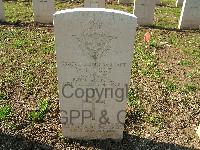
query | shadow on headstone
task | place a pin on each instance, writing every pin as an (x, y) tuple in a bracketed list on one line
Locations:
[(129, 142), (18, 142)]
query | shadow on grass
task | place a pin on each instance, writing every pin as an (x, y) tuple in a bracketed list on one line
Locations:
[(17, 142), (11, 142), (166, 5), (129, 142), (25, 24), (171, 29), (35, 24)]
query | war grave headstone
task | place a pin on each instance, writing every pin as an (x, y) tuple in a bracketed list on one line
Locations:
[(144, 10), (2, 17), (190, 15), (126, 2), (198, 131), (94, 3), (94, 49), (158, 2), (43, 10), (179, 3)]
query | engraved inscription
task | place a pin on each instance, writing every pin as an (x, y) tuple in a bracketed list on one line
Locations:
[(93, 41)]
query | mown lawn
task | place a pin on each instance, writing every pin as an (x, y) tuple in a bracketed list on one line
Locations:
[(164, 99)]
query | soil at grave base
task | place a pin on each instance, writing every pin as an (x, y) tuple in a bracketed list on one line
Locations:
[(179, 120), (179, 124), (178, 129), (180, 113)]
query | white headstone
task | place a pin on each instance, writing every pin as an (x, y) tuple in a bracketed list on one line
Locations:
[(125, 1), (158, 2), (43, 10), (190, 15), (94, 49), (2, 17), (94, 3), (179, 3), (144, 10), (198, 131)]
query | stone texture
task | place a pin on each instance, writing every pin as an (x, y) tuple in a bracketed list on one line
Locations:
[(190, 15), (144, 10), (94, 3), (43, 10), (94, 50), (179, 3), (158, 2), (2, 17), (126, 2)]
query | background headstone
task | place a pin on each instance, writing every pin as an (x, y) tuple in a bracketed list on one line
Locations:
[(144, 10), (2, 17), (94, 3), (179, 3), (126, 2), (158, 2), (190, 15), (94, 50), (43, 10), (198, 131)]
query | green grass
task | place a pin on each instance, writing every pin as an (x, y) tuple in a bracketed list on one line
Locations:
[(170, 86), (121, 7), (5, 112), (189, 87), (193, 74), (154, 120), (18, 11), (38, 115), (184, 62), (3, 96), (165, 74), (133, 99)]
